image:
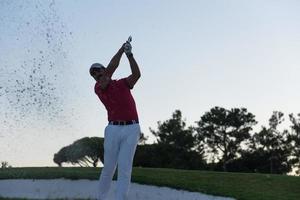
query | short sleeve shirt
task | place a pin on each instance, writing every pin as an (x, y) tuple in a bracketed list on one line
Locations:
[(118, 100)]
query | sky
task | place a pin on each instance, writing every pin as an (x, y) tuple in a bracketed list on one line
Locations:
[(193, 55)]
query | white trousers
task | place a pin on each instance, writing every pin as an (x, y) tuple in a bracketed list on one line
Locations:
[(119, 147)]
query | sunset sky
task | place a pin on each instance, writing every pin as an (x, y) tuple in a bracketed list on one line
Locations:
[(193, 55)]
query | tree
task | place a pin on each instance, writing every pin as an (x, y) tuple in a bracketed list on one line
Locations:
[(61, 156), (177, 146), (223, 132), (145, 156), (166, 156), (174, 132), (295, 139), (143, 139), (84, 152), (273, 145), (4, 165), (96, 151)]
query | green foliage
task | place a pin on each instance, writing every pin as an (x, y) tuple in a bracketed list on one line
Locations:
[(61, 156), (295, 139), (167, 156), (85, 152), (4, 164), (273, 145), (223, 132), (177, 146), (143, 139), (174, 132)]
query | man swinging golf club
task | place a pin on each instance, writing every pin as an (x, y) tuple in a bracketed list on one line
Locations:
[(123, 131)]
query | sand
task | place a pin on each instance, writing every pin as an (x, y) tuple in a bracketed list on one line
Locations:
[(87, 189)]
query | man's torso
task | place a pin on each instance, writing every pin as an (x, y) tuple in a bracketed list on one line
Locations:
[(118, 101)]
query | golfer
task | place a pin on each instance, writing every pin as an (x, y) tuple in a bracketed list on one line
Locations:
[(122, 133)]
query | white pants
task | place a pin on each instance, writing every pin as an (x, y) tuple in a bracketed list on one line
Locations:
[(119, 147)]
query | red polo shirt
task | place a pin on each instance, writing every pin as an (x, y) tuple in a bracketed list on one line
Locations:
[(117, 100)]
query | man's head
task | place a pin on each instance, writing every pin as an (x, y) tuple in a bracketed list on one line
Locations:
[(97, 71)]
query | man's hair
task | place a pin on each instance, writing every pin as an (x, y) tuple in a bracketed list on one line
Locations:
[(96, 66)]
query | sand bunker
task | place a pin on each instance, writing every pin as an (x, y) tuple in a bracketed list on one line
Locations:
[(87, 189)]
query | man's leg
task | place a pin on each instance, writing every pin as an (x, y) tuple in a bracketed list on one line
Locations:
[(111, 150), (131, 135)]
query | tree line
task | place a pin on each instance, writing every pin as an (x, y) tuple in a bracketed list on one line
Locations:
[(221, 140)]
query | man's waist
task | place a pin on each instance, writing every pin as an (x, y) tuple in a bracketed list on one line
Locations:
[(122, 123), (125, 115)]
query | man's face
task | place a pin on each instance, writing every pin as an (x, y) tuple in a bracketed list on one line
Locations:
[(99, 75)]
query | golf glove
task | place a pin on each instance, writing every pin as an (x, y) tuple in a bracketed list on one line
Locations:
[(127, 48)]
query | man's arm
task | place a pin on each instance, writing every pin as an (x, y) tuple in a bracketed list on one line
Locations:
[(135, 71), (114, 63)]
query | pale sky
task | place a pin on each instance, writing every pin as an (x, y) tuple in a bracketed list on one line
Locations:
[(193, 55)]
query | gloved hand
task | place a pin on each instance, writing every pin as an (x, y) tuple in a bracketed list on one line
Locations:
[(127, 48)]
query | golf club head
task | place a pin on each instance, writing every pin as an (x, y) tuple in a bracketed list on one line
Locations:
[(129, 39)]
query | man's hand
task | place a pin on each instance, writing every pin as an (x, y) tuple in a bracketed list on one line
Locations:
[(135, 71), (127, 48)]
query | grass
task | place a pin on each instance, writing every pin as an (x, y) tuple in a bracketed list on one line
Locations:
[(241, 186)]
